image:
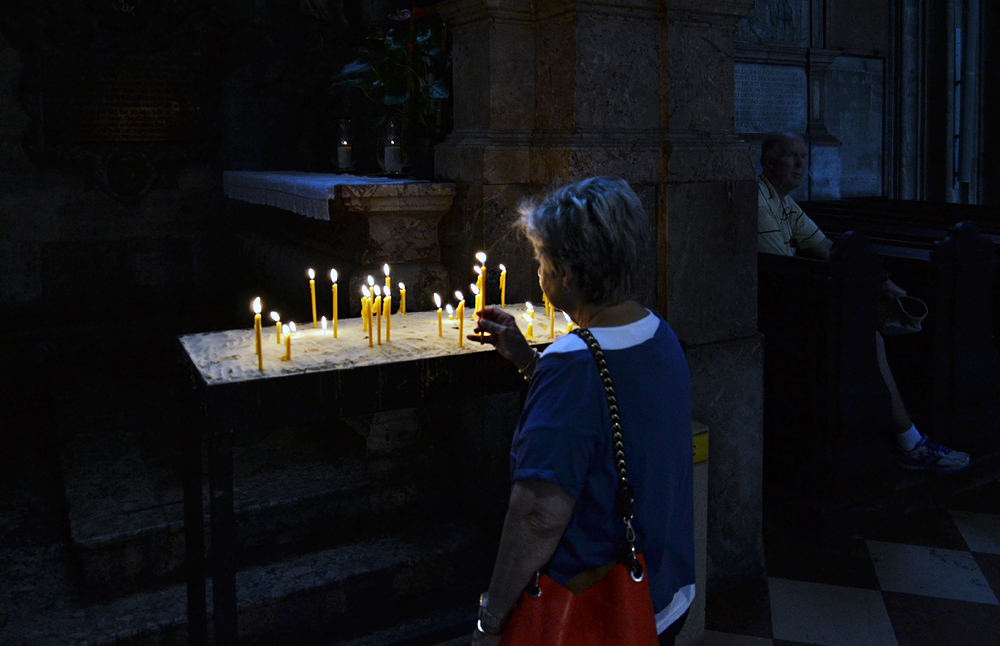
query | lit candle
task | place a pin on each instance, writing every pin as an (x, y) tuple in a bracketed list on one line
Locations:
[(569, 323), (277, 327), (289, 331), (257, 331), (377, 312), (385, 270), (503, 286), (322, 322), (402, 298), (333, 277), (475, 292), (448, 309), (552, 322), (530, 310), (437, 304), (312, 293), (460, 315), (365, 300), (479, 291), (481, 281), (344, 156), (387, 312), (531, 325)]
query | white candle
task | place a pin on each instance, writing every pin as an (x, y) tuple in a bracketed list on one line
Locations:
[(344, 156), (393, 160)]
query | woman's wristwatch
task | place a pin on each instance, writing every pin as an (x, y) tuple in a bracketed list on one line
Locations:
[(488, 624)]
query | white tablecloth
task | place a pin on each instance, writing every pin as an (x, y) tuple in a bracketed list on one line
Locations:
[(303, 193)]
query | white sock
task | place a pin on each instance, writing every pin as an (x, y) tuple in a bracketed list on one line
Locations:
[(908, 439)]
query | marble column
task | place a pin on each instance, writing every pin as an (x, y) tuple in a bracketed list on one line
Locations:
[(551, 92)]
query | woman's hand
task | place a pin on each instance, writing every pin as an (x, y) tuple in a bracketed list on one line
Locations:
[(499, 329)]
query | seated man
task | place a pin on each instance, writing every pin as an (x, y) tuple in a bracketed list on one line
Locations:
[(784, 229)]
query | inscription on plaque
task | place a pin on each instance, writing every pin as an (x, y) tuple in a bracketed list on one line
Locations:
[(122, 98), (770, 98)]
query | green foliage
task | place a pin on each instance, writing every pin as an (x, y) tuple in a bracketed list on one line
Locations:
[(404, 76)]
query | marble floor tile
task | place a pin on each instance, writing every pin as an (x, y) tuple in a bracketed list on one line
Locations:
[(713, 638), (930, 571), (980, 531), (828, 615), (925, 621)]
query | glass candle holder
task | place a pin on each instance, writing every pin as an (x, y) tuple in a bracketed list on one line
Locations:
[(345, 161)]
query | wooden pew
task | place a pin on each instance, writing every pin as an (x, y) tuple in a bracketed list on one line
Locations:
[(826, 408)]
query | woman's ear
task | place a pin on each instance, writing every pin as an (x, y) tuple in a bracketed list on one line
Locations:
[(567, 278)]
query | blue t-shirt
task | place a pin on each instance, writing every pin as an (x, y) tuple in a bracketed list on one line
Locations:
[(564, 436)]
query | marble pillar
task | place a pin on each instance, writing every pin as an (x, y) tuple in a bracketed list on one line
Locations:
[(552, 92)]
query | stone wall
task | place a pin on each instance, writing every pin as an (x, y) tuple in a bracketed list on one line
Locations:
[(788, 77)]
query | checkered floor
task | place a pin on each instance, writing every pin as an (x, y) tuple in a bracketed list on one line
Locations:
[(932, 579)]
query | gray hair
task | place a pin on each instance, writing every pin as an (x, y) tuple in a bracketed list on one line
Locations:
[(772, 142), (597, 228)]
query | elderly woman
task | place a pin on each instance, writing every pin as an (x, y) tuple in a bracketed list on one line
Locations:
[(589, 239)]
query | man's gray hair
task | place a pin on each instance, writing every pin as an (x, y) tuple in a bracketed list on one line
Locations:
[(771, 142), (596, 227)]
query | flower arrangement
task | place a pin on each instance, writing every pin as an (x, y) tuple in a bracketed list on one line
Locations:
[(405, 74)]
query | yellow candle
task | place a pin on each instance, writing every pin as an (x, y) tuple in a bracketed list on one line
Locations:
[(437, 304), (531, 325), (377, 311), (475, 292), (333, 277), (402, 298), (288, 330), (371, 287), (530, 310), (257, 332), (459, 315), (312, 293), (503, 286), (365, 315), (481, 281), (387, 313), (277, 327), (569, 323), (385, 270), (552, 322)]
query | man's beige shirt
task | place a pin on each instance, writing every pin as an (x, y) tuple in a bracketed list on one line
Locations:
[(782, 226)]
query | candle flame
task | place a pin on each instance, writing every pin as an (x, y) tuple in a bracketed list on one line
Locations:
[(502, 268), (376, 290), (323, 322), (385, 269), (474, 289), (528, 306), (402, 287), (333, 275), (365, 292), (526, 317), (437, 300), (285, 330), (459, 296), (448, 308), (275, 317), (291, 326), (386, 292), (478, 270), (312, 274), (371, 281), (566, 316), (256, 305), (481, 257)]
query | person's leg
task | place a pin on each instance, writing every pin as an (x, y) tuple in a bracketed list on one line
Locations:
[(916, 450), (901, 421)]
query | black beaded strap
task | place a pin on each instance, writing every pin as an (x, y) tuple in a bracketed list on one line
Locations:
[(625, 498)]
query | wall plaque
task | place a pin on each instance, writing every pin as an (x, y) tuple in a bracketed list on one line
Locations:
[(122, 98), (770, 98)]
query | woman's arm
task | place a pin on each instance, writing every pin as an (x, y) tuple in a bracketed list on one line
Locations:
[(536, 518)]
